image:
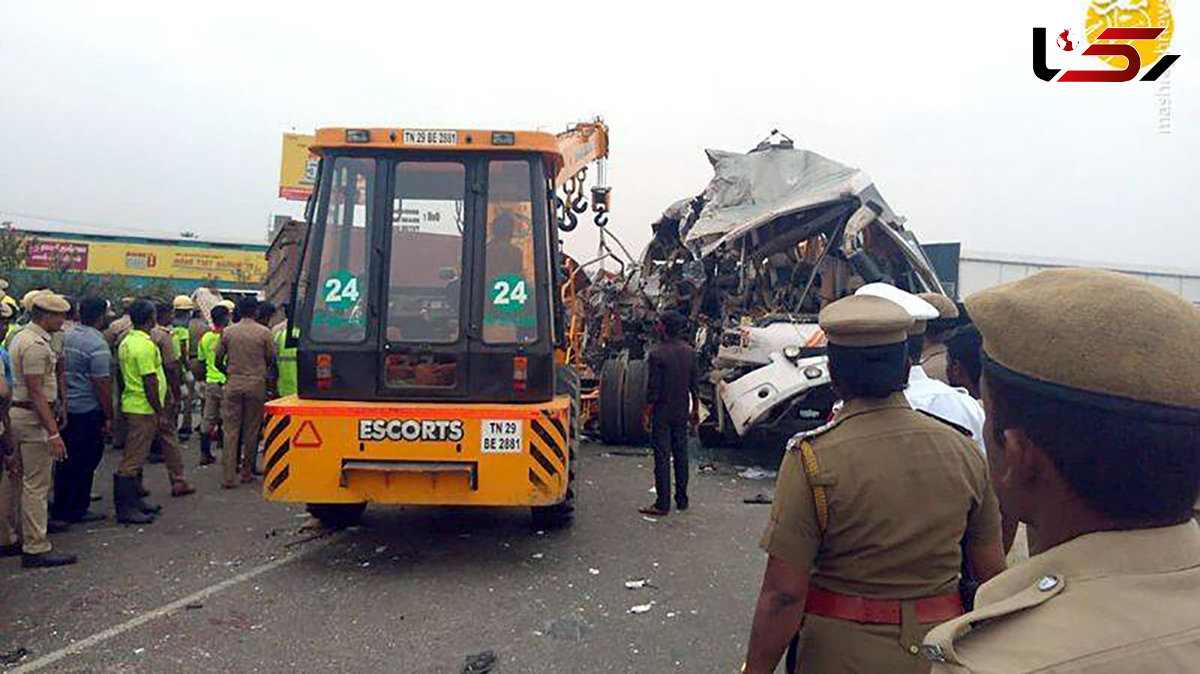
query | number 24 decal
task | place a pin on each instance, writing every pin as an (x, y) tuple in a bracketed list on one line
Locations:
[(507, 293), (338, 292)]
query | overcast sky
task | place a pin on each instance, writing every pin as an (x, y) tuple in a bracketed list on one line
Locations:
[(143, 116)]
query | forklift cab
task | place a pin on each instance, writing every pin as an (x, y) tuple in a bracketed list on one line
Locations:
[(428, 276)]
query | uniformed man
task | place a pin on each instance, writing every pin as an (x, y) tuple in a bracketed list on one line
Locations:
[(925, 393), (168, 438), (35, 427), (182, 310), (246, 354), (287, 381), (143, 400), (1090, 386), (113, 334), (864, 539), (933, 349), (214, 384)]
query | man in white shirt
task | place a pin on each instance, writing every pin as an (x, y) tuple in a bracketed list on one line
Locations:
[(924, 393)]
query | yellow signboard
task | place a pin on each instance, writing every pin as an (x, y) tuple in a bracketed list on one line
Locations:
[(298, 168), (190, 262)]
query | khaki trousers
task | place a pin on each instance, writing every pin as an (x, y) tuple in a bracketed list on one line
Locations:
[(38, 477), (242, 416), (211, 418), (143, 430)]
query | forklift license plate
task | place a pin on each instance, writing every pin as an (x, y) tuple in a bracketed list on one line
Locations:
[(502, 436), (430, 137)]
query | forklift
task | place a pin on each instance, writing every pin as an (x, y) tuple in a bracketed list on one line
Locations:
[(429, 325)]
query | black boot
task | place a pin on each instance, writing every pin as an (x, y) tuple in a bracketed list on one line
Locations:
[(141, 492), (206, 455), (46, 560), (126, 498)]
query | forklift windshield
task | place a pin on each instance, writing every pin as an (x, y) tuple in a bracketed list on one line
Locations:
[(435, 264)]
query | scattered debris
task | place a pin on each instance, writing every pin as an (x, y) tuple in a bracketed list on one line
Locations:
[(640, 608), (759, 499), (14, 656), (138, 651), (193, 605), (379, 550), (480, 663), (756, 473), (707, 468), (537, 555), (594, 571), (649, 519), (637, 584), (640, 453)]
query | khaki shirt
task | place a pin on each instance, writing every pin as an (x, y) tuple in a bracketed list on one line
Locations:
[(250, 354), (933, 360), (1104, 603), (32, 354), (902, 490), (165, 342), (117, 330)]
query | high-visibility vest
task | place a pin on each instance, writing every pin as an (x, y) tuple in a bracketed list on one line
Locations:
[(288, 380), (182, 338)]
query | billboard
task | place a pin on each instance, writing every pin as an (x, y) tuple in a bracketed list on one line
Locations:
[(298, 168), (127, 258)]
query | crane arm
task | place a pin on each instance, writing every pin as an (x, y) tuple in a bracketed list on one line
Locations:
[(579, 146)]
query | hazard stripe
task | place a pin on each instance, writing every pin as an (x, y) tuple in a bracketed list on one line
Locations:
[(554, 445), (277, 456), (542, 460), (538, 481), (558, 424), (274, 433), (283, 475)]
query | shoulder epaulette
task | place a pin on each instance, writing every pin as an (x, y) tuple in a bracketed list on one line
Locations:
[(794, 443)]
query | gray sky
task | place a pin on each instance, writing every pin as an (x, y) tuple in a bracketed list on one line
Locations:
[(145, 116)]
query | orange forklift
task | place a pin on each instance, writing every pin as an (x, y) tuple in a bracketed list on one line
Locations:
[(429, 325)]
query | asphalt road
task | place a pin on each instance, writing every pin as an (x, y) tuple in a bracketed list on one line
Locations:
[(225, 581)]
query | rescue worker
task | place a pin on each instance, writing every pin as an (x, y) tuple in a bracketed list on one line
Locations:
[(214, 384), (168, 438), (673, 378), (925, 393), (1090, 387), (182, 309), (113, 334), (870, 510), (933, 347), (35, 428), (287, 381), (143, 400), (246, 354)]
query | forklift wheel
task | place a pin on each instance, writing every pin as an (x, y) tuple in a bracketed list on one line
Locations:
[(337, 515)]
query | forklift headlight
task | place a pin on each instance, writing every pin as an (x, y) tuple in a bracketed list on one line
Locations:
[(504, 138), (358, 136)]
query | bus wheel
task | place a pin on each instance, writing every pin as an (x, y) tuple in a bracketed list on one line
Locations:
[(337, 515)]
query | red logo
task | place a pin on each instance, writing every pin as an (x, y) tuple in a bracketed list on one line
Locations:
[(1127, 51)]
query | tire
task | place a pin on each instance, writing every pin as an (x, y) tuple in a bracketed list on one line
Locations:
[(337, 515), (562, 515), (637, 378), (612, 381)]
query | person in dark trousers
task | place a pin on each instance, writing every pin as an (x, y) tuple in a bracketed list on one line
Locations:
[(673, 374), (89, 412)]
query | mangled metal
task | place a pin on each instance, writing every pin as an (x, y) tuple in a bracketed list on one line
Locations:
[(778, 233)]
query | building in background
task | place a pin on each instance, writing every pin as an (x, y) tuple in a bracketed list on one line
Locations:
[(965, 272), (184, 262)]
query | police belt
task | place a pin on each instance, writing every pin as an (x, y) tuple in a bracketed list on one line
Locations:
[(880, 611)]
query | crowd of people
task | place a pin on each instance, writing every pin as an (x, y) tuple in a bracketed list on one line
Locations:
[(79, 373)]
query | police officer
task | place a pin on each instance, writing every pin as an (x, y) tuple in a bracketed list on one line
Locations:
[(35, 427), (168, 439), (246, 354), (870, 510), (214, 383), (182, 310), (1090, 386), (924, 393), (933, 349)]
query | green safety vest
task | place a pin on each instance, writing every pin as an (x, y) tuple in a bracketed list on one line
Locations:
[(287, 382), (182, 338), (208, 354)]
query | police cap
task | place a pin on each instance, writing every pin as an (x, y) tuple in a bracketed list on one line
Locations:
[(947, 309), (865, 320), (920, 310)]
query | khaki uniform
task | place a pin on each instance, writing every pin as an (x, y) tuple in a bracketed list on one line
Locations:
[(933, 360), (249, 351), (902, 492), (1103, 603), (32, 355), (168, 436), (113, 334)]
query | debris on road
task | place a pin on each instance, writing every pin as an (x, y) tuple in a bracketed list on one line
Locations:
[(759, 499), (637, 584), (594, 571), (641, 608), (480, 663), (193, 605), (537, 555), (14, 656), (756, 473)]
